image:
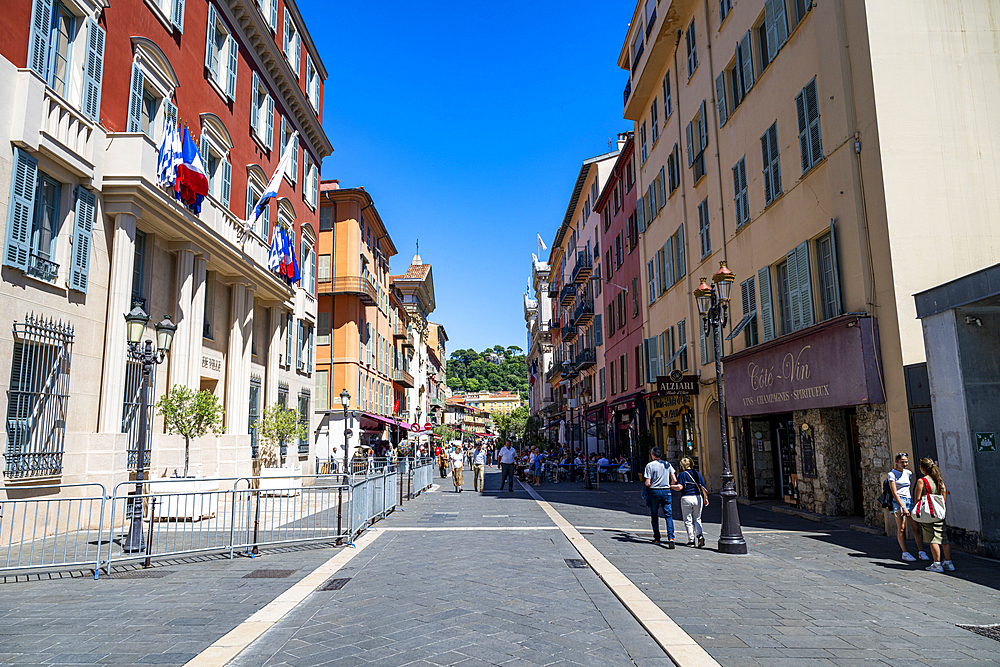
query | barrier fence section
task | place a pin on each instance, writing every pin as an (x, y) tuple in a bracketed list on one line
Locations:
[(42, 530)]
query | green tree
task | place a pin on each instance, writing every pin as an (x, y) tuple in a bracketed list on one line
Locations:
[(278, 424), (446, 432), (190, 414), (512, 424)]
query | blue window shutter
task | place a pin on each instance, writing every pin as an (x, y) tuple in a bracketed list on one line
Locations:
[(255, 104), (274, 14), (295, 159), (169, 112), (703, 339), (654, 363), (38, 37), (83, 228), (210, 39), (309, 349), (135, 99), (234, 62), (203, 150), (265, 222), (270, 122), (227, 183), (772, 33), (746, 55), (298, 54), (805, 284), (720, 97), (20, 210), (668, 263), (598, 331), (800, 113), (690, 144), (794, 298), (288, 339), (836, 269), (766, 316), (812, 117), (681, 253), (640, 211), (772, 138), (765, 158), (702, 128), (284, 34), (662, 197), (780, 22), (298, 356), (93, 71), (177, 15), (651, 279)]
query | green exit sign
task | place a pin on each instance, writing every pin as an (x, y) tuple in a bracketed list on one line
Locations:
[(986, 442)]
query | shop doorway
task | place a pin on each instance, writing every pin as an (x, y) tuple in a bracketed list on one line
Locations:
[(769, 454), (854, 461)]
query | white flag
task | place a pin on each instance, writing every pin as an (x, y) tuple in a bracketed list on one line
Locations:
[(272, 187), (541, 243)]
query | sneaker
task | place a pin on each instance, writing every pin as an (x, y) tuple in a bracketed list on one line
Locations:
[(934, 567), (656, 540), (670, 544), (701, 540), (948, 565), (922, 555), (908, 557), (690, 544)]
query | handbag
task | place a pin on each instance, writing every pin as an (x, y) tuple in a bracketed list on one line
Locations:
[(645, 495), (885, 500), (931, 506)]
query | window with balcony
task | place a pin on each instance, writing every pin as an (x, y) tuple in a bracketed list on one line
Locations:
[(637, 47), (292, 42), (221, 55), (63, 33), (151, 88), (261, 112)]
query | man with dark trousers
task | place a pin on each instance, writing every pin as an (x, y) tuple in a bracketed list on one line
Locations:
[(507, 458)]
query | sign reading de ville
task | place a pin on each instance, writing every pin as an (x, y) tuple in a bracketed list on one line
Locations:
[(676, 384), (834, 365)]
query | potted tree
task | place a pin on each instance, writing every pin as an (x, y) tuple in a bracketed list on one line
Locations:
[(192, 415), (277, 425)]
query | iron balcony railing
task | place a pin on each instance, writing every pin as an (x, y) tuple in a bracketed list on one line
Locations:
[(554, 372), (42, 267), (399, 376), (352, 285), (553, 290), (584, 267), (567, 294), (569, 333), (584, 313), (628, 90), (585, 359), (399, 330)]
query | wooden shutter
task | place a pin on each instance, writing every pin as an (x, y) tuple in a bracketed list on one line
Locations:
[(295, 159), (800, 113), (234, 61), (780, 22), (654, 362), (93, 71), (703, 340), (38, 37), (598, 331), (227, 183), (274, 14), (812, 117), (836, 269), (20, 210), (210, 55), (640, 214), (663, 188), (651, 279), (255, 103), (284, 34), (83, 227), (745, 294), (288, 339), (765, 158), (794, 298), (746, 57), (298, 54), (772, 140), (298, 347), (720, 97), (772, 34), (667, 102), (309, 349), (169, 113), (203, 150), (766, 314), (702, 128), (177, 15), (265, 221), (270, 122), (690, 144), (668, 263), (681, 254), (804, 282), (135, 99)]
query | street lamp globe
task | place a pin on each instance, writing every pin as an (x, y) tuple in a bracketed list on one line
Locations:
[(345, 399), (165, 334), (703, 296), (135, 324), (723, 280)]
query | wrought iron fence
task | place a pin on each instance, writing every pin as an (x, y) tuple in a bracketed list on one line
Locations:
[(38, 397)]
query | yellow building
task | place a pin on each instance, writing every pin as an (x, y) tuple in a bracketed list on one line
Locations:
[(837, 158)]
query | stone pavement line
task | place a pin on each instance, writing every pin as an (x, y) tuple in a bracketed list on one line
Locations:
[(681, 648), (431, 529), (229, 646)]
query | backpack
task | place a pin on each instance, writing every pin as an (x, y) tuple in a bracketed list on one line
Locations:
[(885, 499)]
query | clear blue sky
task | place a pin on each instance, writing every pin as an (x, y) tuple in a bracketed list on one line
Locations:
[(468, 124)]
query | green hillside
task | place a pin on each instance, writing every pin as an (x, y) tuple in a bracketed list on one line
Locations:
[(494, 369)]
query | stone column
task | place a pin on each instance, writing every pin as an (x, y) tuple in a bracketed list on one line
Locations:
[(197, 320), (180, 352), (236, 377), (248, 312), (274, 351), (115, 340)]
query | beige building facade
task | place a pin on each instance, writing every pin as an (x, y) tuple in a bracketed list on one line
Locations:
[(838, 156)]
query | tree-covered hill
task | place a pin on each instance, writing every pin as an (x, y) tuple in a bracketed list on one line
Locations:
[(494, 369)]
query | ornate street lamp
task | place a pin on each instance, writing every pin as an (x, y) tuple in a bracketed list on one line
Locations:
[(135, 325), (345, 400), (713, 306)]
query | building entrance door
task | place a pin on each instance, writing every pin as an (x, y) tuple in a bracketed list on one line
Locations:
[(854, 461)]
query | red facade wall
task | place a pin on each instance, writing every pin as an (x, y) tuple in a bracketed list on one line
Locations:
[(625, 339), (15, 25)]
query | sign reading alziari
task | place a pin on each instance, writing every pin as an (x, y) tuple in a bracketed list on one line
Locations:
[(835, 366), (681, 385)]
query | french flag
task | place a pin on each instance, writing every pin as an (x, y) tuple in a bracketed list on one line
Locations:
[(281, 258), (191, 185)]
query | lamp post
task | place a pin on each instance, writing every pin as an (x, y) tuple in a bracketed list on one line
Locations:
[(713, 306), (135, 325), (345, 400), (582, 416)]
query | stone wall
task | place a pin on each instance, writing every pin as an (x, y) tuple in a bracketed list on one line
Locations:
[(876, 458), (829, 492)]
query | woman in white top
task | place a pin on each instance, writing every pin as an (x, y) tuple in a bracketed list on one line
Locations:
[(899, 483)]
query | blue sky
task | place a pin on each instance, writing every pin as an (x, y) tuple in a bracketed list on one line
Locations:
[(467, 124)]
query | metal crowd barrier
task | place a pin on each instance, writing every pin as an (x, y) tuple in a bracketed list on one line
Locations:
[(42, 532)]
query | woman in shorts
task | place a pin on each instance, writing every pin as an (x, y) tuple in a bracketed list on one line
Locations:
[(900, 481)]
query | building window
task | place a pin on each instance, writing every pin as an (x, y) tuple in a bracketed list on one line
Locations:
[(741, 196), (771, 162), (38, 397), (261, 112), (829, 280), (637, 46), (214, 157), (654, 122), (288, 136), (697, 141), (635, 297), (642, 141), (614, 378), (62, 33), (322, 390), (312, 83), (304, 421), (784, 299), (255, 188), (810, 139), (673, 169), (682, 354), (308, 267), (704, 228), (747, 325), (775, 28), (221, 54), (725, 6), (206, 331), (692, 50), (668, 106), (254, 412), (325, 273), (310, 174), (138, 269), (322, 328), (600, 381), (292, 43)]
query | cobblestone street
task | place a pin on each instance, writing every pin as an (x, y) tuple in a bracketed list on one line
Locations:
[(487, 579)]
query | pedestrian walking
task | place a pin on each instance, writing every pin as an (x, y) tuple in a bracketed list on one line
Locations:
[(479, 468), (660, 480), (694, 497), (900, 481), (458, 468), (934, 532), (535, 462), (443, 463), (507, 459)]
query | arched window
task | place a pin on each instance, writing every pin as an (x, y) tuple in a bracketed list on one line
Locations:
[(151, 88), (214, 145)]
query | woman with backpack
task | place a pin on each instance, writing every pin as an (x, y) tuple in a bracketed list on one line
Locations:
[(934, 532), (900, 480), (694, 496)]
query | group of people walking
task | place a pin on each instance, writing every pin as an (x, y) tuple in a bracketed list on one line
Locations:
[(661, 481)]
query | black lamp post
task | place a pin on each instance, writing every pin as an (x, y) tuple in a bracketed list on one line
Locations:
[(345, 400), (135, 325), (713, 306)]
